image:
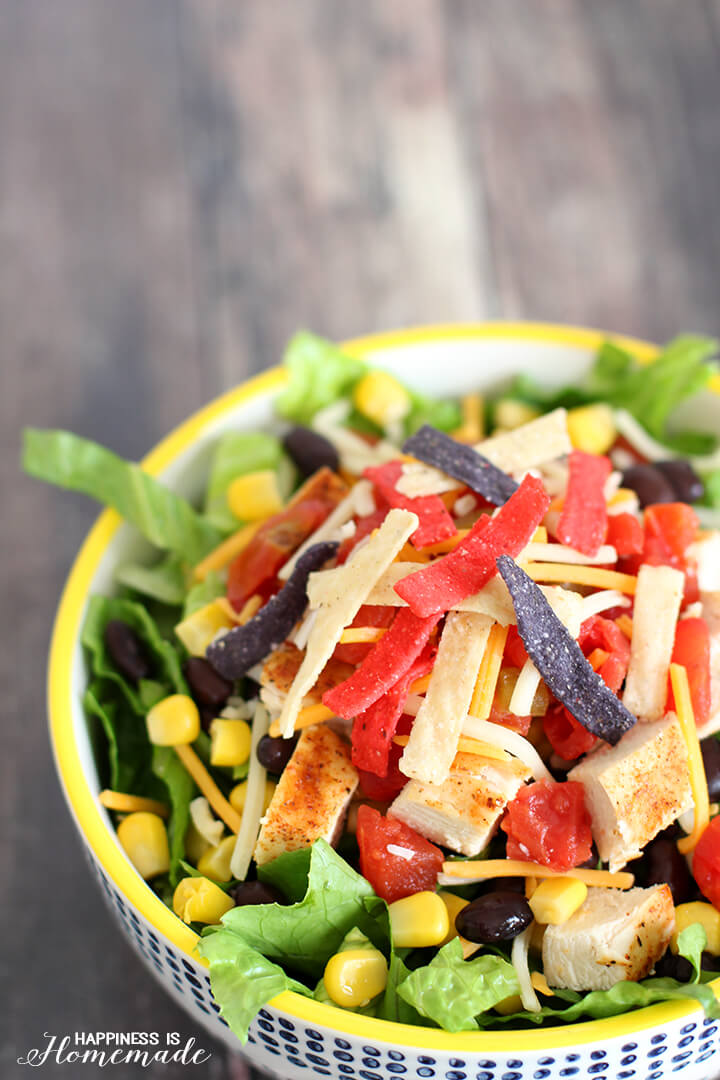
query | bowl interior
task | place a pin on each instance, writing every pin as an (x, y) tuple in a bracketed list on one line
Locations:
[(442, 361)]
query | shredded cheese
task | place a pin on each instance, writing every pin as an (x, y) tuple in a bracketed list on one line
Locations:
[(481, 869), (540, 984), (467, 746), (346, 590), (224, 553), (433, 743), (488, 673), (311, 714), (559, 553), (471, 429), (420, 685), (444, 546), (657, 607), (698, 780), (519, 960), (254, 800), (525, 689), (582, 575), (597, 658), (209, 788), (209, 827), (601, 601), (362, 635), (251, 607), (328, 530), (511, 741), (131, 804)]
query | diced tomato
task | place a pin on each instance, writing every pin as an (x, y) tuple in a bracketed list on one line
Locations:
[(363, 527), (515, 651), (412, 868), (568, 738), (509, 720), (282, 534), (706, 863), (600, 633), (368, 615), (548, 823), (692, 650), (625, 534), (670, 528)]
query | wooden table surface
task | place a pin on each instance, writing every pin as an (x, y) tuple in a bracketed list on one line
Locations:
[(185, 182)]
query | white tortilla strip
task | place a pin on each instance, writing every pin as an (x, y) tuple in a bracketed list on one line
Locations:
[(433, 741), (529, 446), (657, 605), (330, 528), (354, 452), (492, 600), (347, 588), (420, 479)]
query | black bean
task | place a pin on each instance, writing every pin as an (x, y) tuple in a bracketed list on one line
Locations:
[(496, 916), (711, 760), (664, 865), (670, 966), (310, 451), (207, 687), (274, 753), (126, 650), (649, 484), (686, 483), (256, 892)]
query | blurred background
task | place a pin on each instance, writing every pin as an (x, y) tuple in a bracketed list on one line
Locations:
[(183, 183)]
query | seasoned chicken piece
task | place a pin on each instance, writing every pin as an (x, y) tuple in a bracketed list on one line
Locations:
[(282, 665), (635, 789), (312, 795), (657, 606), (463, 812), (614, 935), (711, 614)]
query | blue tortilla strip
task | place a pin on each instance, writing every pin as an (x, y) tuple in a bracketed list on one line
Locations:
[(236, 652), (560, 660), (462, 463)]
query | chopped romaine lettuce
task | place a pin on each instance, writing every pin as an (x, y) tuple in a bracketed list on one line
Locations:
[(202, 593), (320, 373), (453, 991), (164, 581), (167, 520), (238, 453), (180, 788), (128, 747)]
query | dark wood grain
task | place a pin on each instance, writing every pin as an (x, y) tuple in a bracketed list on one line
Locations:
[(183, 183)]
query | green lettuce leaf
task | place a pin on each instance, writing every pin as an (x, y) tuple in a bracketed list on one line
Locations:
[(690, 944), (167, 520), (167, 669), (320, 373), (453, 991), (181, 790), (289, 873), (354, 939), (202, 593), (129, 750), (237, 453), (242, 979), (306, 934), (164, 581), (438, 412), (392, 1006)]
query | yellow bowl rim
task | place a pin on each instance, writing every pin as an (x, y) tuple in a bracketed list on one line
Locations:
[(87, 810)]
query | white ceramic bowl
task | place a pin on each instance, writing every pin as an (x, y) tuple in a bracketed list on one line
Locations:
[(297, 1037)]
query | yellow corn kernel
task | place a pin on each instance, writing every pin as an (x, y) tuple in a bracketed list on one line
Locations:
[(556, 899), (198, 900), (698, 912), (509, 1005), (239, 793), (419, 920), (144, 839), (215, 862), (173, 721), (230, 742), (381, 398), (198, 630), (354, 977), (255, 495), (195, 844), (454, 905), (592, 428), (510, 413)]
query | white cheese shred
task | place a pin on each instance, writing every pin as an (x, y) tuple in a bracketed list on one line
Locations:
[(254, 798), (330, 528), (506, 739), (519, 958), (209, 827)]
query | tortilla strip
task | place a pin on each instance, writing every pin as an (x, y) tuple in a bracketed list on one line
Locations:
[(346, 590), (658, 597), (343, 512), (433, 741)]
